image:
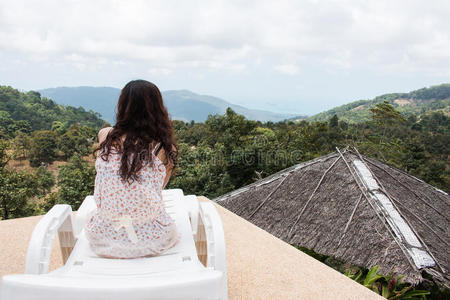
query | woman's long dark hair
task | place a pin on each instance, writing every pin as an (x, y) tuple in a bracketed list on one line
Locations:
[(142, 116)]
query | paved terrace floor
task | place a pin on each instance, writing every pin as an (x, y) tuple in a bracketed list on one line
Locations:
[(260, 266)]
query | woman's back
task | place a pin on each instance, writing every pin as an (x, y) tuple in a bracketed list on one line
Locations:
[(131, 220), (140, 198)]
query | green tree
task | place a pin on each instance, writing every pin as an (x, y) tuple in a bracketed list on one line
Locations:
[(21, 145), (4, 155), (334, 121), (201, 171), (58, 126), (44, 181), (75, 181), (76, 140), (20, 126), (43, 147), (5, 121), (385, 113), (16, 188), (414, 156), (233, 132), (437, 173), (230, 129), (386, 117)]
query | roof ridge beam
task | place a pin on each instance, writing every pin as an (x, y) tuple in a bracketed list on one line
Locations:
[(383, 220)]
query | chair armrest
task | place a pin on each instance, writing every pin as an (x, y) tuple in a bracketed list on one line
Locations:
[(83, 213), (59, 218), (215, 240), (191, 204)]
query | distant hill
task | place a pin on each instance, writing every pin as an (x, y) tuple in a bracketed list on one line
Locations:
[(181, 104), (102, 100), (435, 98), (29, 111)]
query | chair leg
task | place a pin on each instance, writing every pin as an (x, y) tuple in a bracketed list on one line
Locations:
[(200, 243), (58, 219), (66, 238)]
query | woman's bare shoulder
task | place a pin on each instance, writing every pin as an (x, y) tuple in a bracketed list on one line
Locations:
[(103, 133)]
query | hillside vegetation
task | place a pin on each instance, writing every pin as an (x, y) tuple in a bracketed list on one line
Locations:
[(29, 111), (435, 98)]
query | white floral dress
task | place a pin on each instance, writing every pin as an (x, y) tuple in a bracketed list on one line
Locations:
[(130, 220)]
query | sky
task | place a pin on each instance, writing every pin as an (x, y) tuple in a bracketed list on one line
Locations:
[(297, 56)]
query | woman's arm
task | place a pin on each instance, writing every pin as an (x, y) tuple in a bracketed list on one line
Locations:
[(169, 166)]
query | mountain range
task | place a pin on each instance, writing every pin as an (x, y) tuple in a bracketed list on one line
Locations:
[(186, 105), (181, 104)]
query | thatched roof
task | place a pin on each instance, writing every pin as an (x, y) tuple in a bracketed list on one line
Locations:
[(356, 209)]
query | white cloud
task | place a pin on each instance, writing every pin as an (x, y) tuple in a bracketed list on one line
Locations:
[(159, 71), (288, 69), (380, 35)]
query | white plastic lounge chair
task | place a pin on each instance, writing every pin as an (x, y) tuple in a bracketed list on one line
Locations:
[(193, 269)]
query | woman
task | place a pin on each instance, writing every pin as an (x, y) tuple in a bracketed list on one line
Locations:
[(135, 159)]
